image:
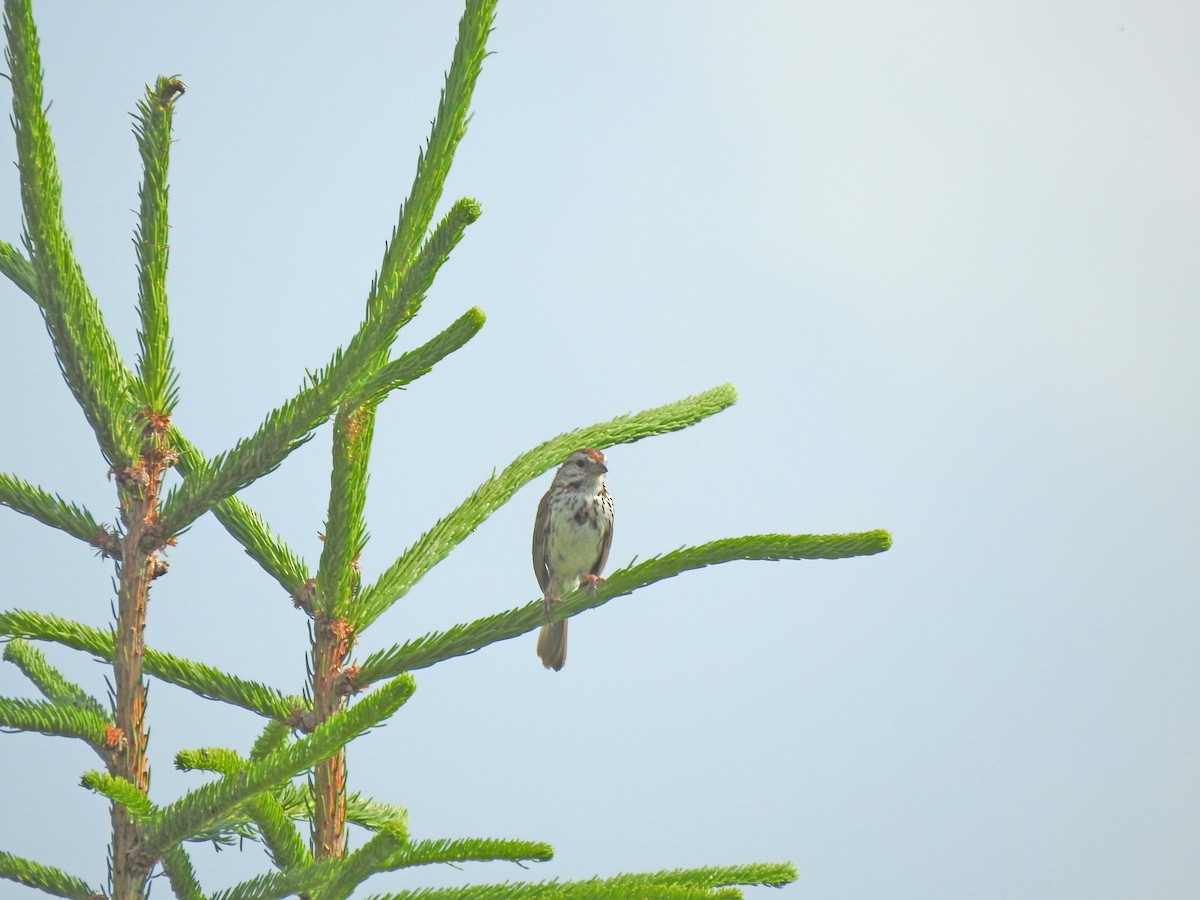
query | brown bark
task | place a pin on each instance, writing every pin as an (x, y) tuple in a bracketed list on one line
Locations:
[(330, 647), (139, 488)]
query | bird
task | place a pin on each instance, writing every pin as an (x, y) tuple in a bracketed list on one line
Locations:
[(571, 537)]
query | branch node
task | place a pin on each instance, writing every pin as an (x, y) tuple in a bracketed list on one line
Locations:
[(304, 596), (339, 627), (141, 857), (156, 423), (108, 543), (301, 719), (114, 737), (130, 477), (347, 683)]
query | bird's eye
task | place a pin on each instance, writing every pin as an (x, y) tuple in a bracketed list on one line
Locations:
[(579, 462)]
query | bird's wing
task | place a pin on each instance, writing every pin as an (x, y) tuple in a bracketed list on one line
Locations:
[(541, 537), (605, 543)]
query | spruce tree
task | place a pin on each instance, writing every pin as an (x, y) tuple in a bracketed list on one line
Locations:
[(289, 791)]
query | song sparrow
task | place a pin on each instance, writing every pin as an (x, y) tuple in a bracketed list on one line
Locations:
[(571, 537)]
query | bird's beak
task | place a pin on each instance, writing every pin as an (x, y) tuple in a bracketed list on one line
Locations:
[(599, 468)]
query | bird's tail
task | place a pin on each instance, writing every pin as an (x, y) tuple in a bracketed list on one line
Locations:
[(552, 645)]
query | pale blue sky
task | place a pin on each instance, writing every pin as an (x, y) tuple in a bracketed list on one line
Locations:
[(945, 251)]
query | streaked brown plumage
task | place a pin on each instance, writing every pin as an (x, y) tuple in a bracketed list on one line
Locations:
[(571, 537)]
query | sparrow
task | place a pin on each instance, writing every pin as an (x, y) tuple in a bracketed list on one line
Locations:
[(571, 536)]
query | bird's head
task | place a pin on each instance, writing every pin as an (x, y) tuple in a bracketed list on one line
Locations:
[(583, 469)]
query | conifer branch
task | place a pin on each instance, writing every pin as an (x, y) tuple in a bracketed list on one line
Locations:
[(290, 425), (680, 884), (337, 580), (214, 684), (463, 639), (345, 531), (52, 510), (241, 521), (198, 678), (433, 546), (53, 685), (139, 487), (53, 719), (285, 846), (277, 885), (433, 164), (273, 812), (290, 802), (424, 853), (245, 525), (274, 735), (210, 759), (360, 865), (178, 868), (46, 879), (375, 815), (200, 808), (402, 256), (120, 790), (281, 838), (86, 352), (17, 269), (410, 366), (157, 381)]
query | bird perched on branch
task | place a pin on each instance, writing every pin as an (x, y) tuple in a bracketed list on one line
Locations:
[(571, 536)]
